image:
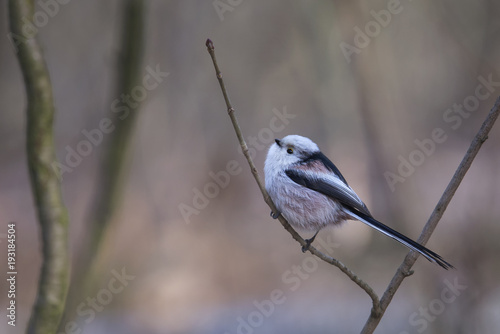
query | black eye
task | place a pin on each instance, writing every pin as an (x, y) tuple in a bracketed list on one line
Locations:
[(289, 151)]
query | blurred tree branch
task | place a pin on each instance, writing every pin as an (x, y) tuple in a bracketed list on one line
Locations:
[(46, 187), (113, 170), (435, 217), (114, 166), (378, 305)]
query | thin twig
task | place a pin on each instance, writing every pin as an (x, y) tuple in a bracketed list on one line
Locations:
[(436, 215), (52, 214), (268, 200)]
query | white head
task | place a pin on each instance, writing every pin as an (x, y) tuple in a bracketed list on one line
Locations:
[(289, 150)]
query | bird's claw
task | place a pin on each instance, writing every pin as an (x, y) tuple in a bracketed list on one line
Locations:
[(309, 241), (305, 248), (275, 215)]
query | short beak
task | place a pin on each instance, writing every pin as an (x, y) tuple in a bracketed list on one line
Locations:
[(278, 142)]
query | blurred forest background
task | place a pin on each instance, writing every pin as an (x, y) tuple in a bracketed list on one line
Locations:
[(215, 268)]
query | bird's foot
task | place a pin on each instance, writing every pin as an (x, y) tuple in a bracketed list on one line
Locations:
[(275, 215), (309, 241)]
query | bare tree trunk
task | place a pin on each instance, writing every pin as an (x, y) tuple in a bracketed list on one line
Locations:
[(52, 214)]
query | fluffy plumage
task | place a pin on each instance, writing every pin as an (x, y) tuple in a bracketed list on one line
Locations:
[(311, 193)]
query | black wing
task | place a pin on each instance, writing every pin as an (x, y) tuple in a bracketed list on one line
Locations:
[(330, 185), (319, 156)]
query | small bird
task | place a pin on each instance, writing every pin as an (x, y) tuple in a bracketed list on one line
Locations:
[(311, 193)]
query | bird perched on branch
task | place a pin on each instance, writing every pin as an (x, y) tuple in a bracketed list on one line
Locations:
[(311, 193)]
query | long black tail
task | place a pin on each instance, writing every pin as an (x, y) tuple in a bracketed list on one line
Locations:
[(427, 253)]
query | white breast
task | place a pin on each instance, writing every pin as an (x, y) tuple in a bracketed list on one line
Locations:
[(303, 208)]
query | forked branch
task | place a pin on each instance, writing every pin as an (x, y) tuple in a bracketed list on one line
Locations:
[(379, 306)]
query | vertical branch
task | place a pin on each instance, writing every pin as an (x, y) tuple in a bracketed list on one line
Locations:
[(52, 214), (114, 165), (435, 217)]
